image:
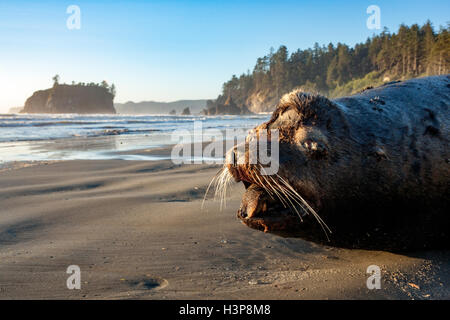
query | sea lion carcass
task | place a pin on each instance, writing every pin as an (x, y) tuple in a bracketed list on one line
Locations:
[(370, 170)]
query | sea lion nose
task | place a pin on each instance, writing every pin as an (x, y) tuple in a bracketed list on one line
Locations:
[(242, 213)]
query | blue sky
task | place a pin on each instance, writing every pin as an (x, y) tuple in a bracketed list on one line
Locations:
[(170, 50)]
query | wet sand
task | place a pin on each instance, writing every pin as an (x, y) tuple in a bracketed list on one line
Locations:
[(136, 230)]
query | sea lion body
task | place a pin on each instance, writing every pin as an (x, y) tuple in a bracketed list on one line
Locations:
[(374, 166)]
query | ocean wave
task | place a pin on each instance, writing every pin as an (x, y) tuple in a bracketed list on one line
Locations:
[(23, 127), (115, 132)]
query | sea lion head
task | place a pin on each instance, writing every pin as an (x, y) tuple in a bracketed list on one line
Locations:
[(348, 173), (288, 200)]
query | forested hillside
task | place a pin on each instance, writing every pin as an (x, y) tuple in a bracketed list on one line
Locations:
[(336, 70)]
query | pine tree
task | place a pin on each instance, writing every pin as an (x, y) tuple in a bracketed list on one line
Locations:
[(412, 51)]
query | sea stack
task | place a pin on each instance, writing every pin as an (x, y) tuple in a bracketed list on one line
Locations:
[(84, 99)]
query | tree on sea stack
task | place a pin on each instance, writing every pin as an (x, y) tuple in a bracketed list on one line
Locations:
[(112, 90), (55, 80)]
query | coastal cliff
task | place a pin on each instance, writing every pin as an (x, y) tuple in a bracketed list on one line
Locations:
[(262, 101), (71, 99), (228, 107)]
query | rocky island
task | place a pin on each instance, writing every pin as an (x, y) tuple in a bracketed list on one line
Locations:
[(76, 98)]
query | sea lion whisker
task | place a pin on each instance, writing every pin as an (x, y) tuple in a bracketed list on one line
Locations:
[(288, 197), (263, 185), (295, 199), (282, 197), (219, 187), (273, 188), (209, 186), (227, 182), (255, 175), (292, 195), (318, 218), (295, 195), (222, 187), (322, 224), (219, 184), (282, 200), (288, 193)]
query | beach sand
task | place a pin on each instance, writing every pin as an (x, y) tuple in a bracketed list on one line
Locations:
[(136, 230)]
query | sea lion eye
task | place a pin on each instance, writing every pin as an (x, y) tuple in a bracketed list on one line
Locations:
[(311, 145), (315, 149)]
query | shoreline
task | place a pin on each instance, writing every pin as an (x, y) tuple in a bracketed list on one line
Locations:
[(136, 230), (96, 148)]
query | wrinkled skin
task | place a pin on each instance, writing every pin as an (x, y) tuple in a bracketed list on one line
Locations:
[(374, 166)]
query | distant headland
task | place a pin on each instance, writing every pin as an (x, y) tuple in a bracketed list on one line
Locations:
[(155, 107)]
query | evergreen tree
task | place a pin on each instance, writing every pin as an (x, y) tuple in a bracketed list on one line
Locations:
[(339, 69)]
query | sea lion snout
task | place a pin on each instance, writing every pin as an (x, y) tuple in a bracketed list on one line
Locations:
[(254, 202), (260, 211)]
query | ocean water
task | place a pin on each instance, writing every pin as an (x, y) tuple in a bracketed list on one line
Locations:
[(25, 137)]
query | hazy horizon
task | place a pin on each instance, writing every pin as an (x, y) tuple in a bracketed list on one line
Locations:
[(165, 51)]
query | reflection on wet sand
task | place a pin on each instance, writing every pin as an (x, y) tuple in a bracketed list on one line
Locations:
[(107, 147)]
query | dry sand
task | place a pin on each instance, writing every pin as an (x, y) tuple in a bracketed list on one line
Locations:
[(136, 231)]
